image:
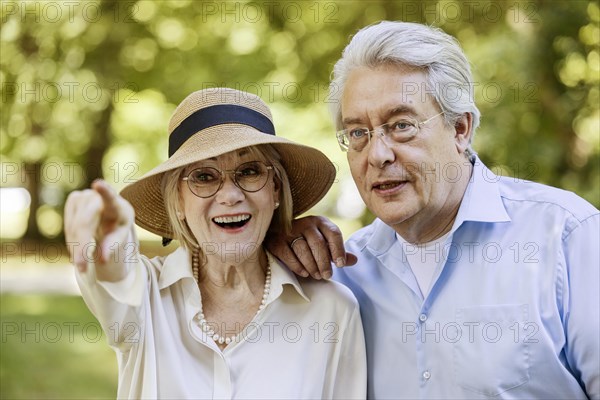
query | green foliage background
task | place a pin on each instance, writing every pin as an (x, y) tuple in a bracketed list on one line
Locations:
[(88, 87)]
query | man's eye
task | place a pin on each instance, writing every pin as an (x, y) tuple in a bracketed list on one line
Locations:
[(357, 133), (402, 125)]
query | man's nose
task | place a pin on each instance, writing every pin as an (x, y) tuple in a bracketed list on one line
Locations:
[(380, 152)]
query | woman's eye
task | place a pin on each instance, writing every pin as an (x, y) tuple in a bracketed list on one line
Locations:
[(249, 171), (203, 176)]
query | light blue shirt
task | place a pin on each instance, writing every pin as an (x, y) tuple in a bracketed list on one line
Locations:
[(513, 310)]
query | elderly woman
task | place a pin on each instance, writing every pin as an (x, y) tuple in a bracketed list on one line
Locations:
[(219, 317)]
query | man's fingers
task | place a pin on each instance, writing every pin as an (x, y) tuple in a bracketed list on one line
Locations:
[(280, 248), (319, 253), (335, 242), (304, 254), (351, 259), (312, 245), (313, 251), (284, 252)]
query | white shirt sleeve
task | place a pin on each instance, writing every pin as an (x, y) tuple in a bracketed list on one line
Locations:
[(351, 378), (118, 306)]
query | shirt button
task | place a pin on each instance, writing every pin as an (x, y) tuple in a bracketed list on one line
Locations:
[(426, 375), (422, 317)]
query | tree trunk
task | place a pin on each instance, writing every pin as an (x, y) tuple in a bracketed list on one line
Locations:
[(32, 173), (99, 145)]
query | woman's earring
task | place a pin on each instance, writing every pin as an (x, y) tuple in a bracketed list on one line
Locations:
[(180, 215), (276, 204)]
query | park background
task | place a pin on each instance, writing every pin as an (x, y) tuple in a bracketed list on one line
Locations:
[(88, 87)]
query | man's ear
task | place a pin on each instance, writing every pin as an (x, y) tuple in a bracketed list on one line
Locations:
[(463, 129)]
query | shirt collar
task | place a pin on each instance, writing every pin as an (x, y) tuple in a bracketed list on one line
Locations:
[(382, 239), (481, 202), (177, 266), (281, 276)]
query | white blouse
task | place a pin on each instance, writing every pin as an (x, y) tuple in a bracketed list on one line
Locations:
[(307, 343)]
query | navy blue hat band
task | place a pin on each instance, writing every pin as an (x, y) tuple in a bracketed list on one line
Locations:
[(218, 115)]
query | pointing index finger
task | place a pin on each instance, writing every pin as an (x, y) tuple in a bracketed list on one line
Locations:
[(109, 198)]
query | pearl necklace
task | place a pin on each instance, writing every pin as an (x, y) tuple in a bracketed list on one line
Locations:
[(206, 328)]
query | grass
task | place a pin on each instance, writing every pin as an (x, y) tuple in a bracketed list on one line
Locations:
[(51, 347)]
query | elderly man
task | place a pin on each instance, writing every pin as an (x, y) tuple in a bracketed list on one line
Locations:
[(471, 285)]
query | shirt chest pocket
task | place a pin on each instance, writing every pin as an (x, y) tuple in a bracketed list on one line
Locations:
[(491, 357)]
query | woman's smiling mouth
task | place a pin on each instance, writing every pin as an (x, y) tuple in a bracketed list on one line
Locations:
[(232, 221)]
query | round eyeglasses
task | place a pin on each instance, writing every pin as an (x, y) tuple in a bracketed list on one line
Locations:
[(398, 131), (207, 181)]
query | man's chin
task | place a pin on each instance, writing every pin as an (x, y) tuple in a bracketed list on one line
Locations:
[(392, 214)]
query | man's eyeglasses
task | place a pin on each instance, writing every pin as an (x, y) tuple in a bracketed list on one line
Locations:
[(250, 177), (399, 131)]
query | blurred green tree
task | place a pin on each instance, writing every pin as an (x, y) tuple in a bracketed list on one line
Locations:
[(88, 87)]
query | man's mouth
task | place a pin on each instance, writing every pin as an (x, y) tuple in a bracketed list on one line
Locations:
[(232, 221), (388, 185)]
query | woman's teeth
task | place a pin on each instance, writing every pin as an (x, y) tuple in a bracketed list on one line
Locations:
[(233, 218), (234, 221)]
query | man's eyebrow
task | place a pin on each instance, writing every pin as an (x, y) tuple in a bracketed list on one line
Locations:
[(402, 109), (352, 121)]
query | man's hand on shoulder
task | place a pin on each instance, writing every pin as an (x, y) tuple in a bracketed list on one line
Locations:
[(314, 243)]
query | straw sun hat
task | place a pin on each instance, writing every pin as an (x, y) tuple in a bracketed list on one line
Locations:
[(215, 121)]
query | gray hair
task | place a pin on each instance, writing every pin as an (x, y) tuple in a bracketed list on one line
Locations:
[(447, 69)]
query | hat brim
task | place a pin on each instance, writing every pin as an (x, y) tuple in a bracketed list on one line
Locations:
[(309, 171)]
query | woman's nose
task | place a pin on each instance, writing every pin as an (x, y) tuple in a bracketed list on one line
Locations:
[(230, 193)]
